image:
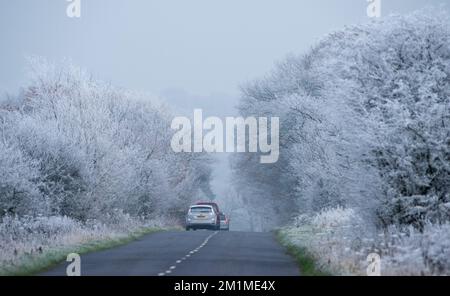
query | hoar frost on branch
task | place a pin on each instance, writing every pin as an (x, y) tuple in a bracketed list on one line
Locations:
[(77, 147), (365, 123)]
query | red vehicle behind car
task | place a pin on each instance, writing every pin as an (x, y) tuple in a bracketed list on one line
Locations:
[(215, 207), (224, 222)]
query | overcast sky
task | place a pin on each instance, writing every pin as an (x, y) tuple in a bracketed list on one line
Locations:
[(195, 53), (184, 49)]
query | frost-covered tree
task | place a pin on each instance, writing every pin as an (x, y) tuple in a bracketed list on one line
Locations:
[(365, 120), (75, 146)]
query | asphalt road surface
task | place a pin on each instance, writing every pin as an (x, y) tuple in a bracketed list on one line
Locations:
[(183, 253)]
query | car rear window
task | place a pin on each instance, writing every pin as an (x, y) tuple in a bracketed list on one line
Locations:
[(214, 205), (201, 210)]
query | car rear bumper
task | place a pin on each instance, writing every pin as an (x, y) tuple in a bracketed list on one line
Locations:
[(200, 224)]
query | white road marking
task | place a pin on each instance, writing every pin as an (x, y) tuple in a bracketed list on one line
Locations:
[(188, 255)]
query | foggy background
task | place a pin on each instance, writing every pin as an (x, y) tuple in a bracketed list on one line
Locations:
[(193, 54)]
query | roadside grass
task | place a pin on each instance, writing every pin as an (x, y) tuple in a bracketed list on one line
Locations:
[(33, 264), (305, 261)]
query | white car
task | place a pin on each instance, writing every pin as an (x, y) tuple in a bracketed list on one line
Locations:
[(202, 217)]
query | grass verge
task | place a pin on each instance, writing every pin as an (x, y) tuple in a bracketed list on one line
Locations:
[(33, 264), (305, 261)]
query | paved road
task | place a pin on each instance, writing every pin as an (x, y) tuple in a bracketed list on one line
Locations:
[(182, 253)]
